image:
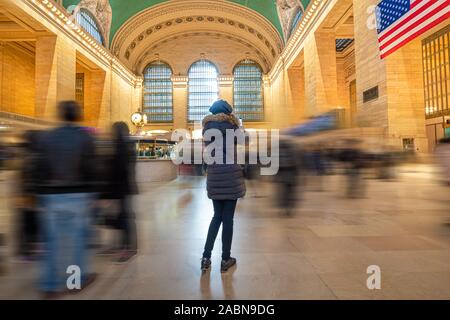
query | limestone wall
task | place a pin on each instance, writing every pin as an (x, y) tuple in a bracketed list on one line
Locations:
[(17, 85)]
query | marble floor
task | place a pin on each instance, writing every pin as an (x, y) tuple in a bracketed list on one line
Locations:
[(321, 252)]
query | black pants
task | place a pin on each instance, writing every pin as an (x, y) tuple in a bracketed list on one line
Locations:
[(127, 224), (287, 190), (223, 214), (27, 231)]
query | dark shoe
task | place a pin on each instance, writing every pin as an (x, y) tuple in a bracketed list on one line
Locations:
[(206, 264), (227, 264)]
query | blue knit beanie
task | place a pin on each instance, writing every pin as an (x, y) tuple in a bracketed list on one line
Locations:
[(221, 106)]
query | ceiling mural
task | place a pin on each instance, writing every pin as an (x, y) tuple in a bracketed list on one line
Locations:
[(101, 9), (122, 10), (287, 10)]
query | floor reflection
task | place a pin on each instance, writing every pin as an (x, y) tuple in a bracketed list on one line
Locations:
[(322, 251)]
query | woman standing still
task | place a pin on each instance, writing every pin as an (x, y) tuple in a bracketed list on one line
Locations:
[(225, 185)]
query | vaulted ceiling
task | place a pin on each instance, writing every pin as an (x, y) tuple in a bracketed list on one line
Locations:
[(124, 9)]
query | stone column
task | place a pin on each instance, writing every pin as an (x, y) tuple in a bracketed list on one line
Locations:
[(55, 74), (406, 107), (103, 83), (226, 88), (320, 72), (180, 101), (399, 108), (370, 70), (95, 111), (138, 93), (267, 100), (296, 93), (2, 48)]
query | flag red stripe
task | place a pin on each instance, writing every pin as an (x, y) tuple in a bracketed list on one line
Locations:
[(416, 34), (415, 24), (416, 3), (406, 19)]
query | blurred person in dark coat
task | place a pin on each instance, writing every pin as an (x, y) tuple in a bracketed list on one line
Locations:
[(2, 156), (442, 153), (26, 201), (225, 185), (64, 177), (287, 175), (356, 161), (121, 186)]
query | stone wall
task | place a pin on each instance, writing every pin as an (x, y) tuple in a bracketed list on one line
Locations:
[(17, 85)]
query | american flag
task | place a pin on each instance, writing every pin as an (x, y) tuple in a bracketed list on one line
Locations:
[(400, 21)]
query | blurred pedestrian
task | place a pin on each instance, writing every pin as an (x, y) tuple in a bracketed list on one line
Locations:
[(442, 152), (121, 186), (354, 159), (2, 156), (64, 175), (28, 225), (287, 176), (225, 185)]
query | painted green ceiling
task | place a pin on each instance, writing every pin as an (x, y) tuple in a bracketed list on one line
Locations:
[(123, 10)]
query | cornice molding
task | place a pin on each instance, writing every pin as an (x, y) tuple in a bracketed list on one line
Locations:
[(58, 17), (315, 11)]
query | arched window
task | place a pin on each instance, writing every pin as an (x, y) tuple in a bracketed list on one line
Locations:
[(248, 91), (158, 92), (203, 89), (88, 22), (297, 18)]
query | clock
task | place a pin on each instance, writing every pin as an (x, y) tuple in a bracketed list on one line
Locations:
[(137, 118)]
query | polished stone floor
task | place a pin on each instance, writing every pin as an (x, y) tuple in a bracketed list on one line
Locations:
[(321, 252)]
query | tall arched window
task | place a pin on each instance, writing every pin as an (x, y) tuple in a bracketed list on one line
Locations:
[(203, 89), (158, 92), (297, 18), (88, 22), (248, 91)]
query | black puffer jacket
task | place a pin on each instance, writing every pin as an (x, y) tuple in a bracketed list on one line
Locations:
[(65, 161), (224, 181)]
